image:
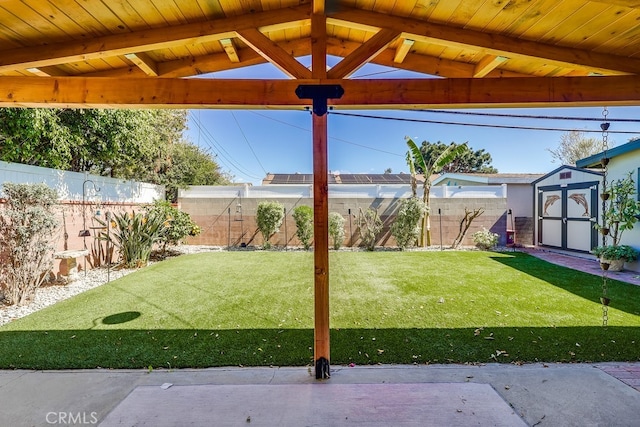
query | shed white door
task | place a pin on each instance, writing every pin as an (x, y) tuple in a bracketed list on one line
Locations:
[(566, 215)]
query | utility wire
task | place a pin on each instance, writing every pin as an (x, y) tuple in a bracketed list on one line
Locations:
[(440, 122), (248, 143), (330, 137), (526, 116), (219, 151)]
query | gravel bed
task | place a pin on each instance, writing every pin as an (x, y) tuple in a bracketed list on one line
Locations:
[(51, 294)]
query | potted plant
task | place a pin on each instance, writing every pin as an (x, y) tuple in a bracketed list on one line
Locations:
[(612, 258)]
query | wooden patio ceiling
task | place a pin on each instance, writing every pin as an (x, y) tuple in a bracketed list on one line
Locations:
[(490, 53)]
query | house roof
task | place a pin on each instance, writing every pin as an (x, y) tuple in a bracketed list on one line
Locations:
[(487, 178), (565, 167), (138, 52), (594, 161), (341, 178)]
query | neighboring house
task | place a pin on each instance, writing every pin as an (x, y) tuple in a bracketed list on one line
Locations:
[(622, 160), (566, 205), (519, 197)]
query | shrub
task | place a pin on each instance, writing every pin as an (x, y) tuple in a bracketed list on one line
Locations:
[(26, 227), (405, 228), (269, 217), (180, 224), (134, 236), (485, 239), (303, 215), (336, 229), (369, 225)]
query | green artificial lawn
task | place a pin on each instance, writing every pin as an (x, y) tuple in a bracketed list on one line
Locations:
[(256, 308)]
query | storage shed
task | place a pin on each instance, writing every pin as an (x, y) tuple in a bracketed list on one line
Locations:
[(566, 207)]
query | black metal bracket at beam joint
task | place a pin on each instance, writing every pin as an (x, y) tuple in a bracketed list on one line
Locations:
[(319, 94), (322, 369)]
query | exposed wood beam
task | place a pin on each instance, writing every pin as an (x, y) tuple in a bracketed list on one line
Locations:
[(494, 44), (47, 72), (144, 62), (230, 49), (363, 54), (487, 64), (319, 45), (437, 67), (273, 53), (219, 62), (403, 49), (141, 41), (243, 94)]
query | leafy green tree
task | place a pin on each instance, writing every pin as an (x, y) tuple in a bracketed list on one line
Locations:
[(27, 224), (269, 217), (467, 160), (303, 216), (428, 165), (145, 145), (405, 228), (188, 164)]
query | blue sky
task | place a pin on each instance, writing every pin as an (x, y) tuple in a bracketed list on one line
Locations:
[(250, 143)]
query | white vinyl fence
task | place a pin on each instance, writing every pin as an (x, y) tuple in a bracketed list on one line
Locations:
[(77, 186), (389, 191)]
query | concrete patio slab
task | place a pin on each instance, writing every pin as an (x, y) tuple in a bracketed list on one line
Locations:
[(441, 404), (553, 395)]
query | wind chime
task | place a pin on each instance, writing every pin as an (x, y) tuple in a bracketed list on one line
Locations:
[(604, 161)]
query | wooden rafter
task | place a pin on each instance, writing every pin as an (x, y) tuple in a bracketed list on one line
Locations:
[(144, 62), (230, 49), (142, 41), (273, 53), (495, 44), (487, 64), (403, 49), (412, 93), (363, 54)]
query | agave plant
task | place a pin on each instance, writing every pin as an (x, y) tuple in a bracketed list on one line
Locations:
[(134, 235)]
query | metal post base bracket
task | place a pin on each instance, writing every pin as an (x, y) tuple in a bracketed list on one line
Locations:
[(319, 94), (322, 369)]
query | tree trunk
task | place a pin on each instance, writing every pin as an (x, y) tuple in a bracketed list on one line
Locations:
[(465, 223)]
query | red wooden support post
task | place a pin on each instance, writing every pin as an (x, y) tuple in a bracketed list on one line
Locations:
[(321, 250)]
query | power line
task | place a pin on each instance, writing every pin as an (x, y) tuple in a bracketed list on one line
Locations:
[(248, 143), (330, 137), (440, 122), (527, 116), (222, 155), (220, 152)]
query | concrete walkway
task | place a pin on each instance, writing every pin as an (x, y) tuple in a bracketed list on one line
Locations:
[(604, 394), (534, 395)]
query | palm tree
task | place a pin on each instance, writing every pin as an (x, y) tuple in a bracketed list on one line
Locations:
[(429, 167)]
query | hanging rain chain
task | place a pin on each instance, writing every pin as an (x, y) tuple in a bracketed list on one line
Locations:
[(604, 161)]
